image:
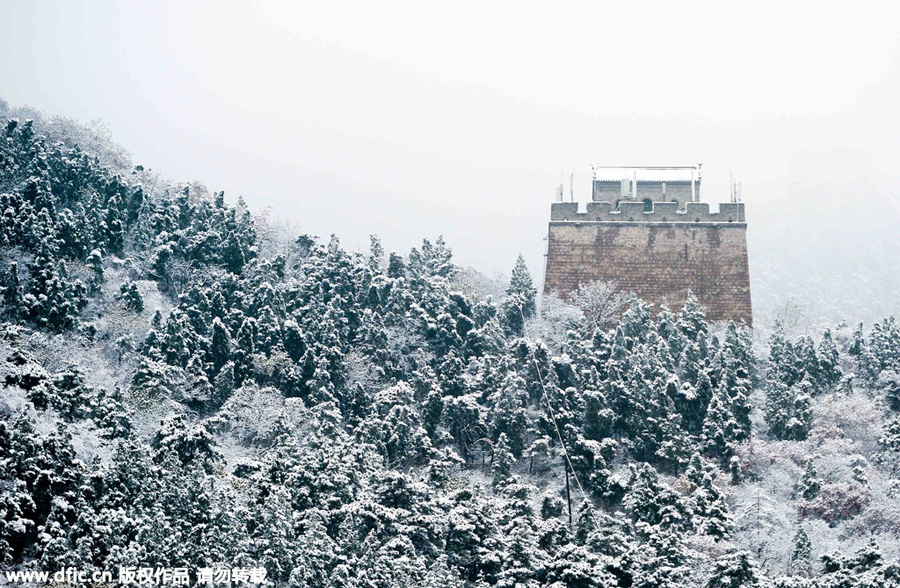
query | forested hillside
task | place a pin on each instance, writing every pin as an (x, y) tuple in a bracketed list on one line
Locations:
[(186, 385)]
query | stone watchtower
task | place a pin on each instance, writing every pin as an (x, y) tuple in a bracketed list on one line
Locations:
[(646, 229)]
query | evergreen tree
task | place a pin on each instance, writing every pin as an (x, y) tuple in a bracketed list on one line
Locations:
[(220, 345), (131, 297), (95, 262), (51, 301), (788, 410), (692, 318), (734, 468), (800, 424), (735, 571), (709, 512), (830, 372), (12, 291), (810, 485), (233, 255), (857, 342), (721, 429), (188, 445), (115, 228), (223, 383), (889, 443), (807, 363), (783, 363), (376, 254), (801, 555), (521, 287), (509, 416), (396, 266), (502, 461)]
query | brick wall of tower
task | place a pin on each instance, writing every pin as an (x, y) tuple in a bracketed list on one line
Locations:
[(657, 261)]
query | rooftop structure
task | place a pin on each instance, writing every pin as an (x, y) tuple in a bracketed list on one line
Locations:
[(679, 184)]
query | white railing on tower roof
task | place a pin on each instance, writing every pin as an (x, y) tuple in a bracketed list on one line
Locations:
[(647, 173)]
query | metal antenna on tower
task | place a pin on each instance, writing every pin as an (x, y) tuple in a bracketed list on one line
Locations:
[(694, 196), (731, 182)]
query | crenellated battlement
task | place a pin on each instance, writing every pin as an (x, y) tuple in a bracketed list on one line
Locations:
[(633, 211)]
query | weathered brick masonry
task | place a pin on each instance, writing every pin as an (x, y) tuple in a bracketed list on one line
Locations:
[(659, 255)]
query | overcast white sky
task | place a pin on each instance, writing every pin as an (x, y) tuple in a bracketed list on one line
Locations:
[(418, 119)]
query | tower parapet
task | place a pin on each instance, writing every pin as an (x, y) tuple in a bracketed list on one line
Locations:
[(660, 212)]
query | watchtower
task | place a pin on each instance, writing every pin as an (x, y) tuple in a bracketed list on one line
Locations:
[(646, 229)]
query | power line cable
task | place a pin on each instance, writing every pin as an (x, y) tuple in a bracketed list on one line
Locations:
[(549, 407)]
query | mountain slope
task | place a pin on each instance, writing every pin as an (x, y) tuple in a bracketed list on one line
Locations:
[(187, 386)]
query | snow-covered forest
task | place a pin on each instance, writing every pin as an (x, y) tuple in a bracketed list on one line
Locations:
[(187, 384)]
